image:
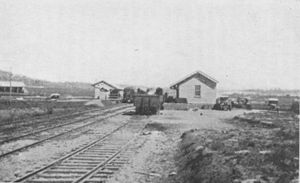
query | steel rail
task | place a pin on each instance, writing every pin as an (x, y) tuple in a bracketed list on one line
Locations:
[(57, 135), (60, 125), (42, 119), (76, 152)]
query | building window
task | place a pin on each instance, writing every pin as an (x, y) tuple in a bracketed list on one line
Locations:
[(197, 91)]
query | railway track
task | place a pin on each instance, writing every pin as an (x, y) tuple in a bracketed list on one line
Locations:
[(8, 139), (64, 132), (93, 163), (23, 123), (41, 119)]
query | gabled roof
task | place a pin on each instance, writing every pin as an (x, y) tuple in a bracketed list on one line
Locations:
[(12, 83), (190, 76), (111, 85)]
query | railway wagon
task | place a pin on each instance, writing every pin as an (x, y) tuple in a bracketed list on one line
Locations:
[(147, 104)]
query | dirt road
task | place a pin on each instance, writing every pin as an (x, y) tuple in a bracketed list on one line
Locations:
[(216, 146), (154, 161)]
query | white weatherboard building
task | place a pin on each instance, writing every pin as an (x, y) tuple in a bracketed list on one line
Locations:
[(197, 87), (16, 87), (103, 90)]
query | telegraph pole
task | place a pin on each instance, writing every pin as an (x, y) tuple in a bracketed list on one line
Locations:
[(10, 89)]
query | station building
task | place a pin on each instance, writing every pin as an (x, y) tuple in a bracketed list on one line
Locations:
[(197, 87), (107, 91)]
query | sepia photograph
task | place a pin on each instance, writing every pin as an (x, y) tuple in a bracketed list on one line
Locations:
[(149, 91)]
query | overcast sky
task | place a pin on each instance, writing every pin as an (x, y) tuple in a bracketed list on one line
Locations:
[(241, 43)]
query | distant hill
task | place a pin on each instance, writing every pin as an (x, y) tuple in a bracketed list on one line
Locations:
[(45, 88), (261, 92)]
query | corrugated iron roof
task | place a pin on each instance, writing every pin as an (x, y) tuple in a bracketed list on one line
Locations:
[(13, 84)]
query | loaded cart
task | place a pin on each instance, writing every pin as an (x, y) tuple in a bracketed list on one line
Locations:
[(147, 104)]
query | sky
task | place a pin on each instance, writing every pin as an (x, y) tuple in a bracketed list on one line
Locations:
[(241, 43)]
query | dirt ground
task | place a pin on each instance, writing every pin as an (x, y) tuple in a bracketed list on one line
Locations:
[(207, 146), (155, 159), (155, 148), (191, 146)]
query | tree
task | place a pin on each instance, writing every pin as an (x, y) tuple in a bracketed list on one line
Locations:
[(159, 91)]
